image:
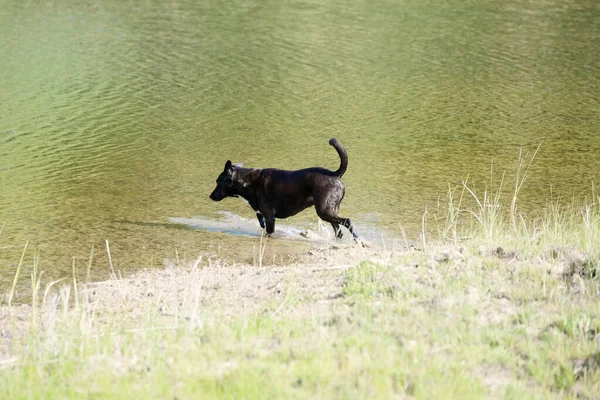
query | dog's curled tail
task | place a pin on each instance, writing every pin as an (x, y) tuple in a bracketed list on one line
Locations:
[(343, 156)]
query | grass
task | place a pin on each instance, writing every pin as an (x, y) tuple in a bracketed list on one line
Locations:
[(17, 274), (496, 306), (401, 326)]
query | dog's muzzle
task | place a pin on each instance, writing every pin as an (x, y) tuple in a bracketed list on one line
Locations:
[(216, 195)]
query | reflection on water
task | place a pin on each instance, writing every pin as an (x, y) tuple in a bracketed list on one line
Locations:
[(115, 111)]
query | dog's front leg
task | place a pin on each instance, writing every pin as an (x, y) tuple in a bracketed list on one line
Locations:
[(269, 219), (261, 219), (270, 225)]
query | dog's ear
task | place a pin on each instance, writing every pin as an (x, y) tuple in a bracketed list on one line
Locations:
[(227, 165)]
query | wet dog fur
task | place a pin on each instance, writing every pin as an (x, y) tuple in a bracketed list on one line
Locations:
[(275, 193)]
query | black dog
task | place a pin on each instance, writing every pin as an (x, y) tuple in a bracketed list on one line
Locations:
[(275, 193)]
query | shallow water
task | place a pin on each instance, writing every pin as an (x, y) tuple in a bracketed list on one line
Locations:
[(116, 117)]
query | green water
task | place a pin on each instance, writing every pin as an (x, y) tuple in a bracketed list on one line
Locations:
[(117, 116)]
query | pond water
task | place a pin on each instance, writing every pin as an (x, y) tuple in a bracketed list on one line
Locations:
[(116, 116)]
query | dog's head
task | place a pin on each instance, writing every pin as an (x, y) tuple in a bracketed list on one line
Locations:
[(225, 185)]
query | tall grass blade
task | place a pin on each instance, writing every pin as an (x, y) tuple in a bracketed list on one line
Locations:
[(112, 270), (423, 231), (488, 212), (261, 248), (521, 176), (16, 279), (89, 267), (35, 285), (75, 291), (453, 215)]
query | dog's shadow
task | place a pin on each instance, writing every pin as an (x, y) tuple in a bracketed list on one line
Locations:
[(200, 224), (235, 225), (231, 225)]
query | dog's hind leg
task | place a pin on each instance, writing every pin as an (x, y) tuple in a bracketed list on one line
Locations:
[(337, 231), (327, 208), (335, 222), (345, 222), (348, 225)]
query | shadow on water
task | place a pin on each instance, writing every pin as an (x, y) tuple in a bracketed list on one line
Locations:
[(155, 224), (199, 224)]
